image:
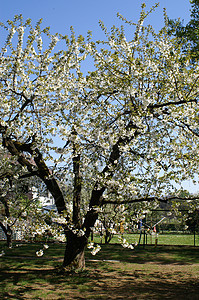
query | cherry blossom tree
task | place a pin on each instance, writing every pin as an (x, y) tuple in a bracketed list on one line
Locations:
[(125, 132), (21, 211)]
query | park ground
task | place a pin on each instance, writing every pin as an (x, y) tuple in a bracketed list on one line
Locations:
[(162, 272)]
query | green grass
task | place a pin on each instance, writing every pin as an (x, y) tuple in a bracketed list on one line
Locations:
[(168, 272), (163, 239), (159, 254), (177, 239), (29, 249)]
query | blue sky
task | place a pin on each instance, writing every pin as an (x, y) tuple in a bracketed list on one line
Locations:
[(84, 15)]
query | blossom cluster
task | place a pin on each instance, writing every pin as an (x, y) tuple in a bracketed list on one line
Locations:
[(95, 249), (41, 252), (125, 243)]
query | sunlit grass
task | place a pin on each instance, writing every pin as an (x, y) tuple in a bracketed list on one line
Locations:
[(163, 239)]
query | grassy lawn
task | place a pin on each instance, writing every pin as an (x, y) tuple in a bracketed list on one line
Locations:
[(163, 239), (164, 272), (177, 239)]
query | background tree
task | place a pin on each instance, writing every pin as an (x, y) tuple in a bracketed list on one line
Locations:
[(126, 129), (192, 221), (190, 31)]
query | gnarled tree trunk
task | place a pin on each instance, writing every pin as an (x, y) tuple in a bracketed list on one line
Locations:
[(74, 251)]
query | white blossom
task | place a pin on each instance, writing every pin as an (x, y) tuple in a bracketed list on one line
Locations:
[(96, 250), (39, 253), (2, 253)]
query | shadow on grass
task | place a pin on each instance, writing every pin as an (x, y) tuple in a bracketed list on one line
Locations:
[(150, 273), (102, 281), (160, 255), (17, 283), (157, 287)]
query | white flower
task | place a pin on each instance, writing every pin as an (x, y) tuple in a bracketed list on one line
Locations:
[(39, 43), (90, 246), (125, 245), (12, 30), (131, 247), (46, 246), (2, 253), (112, 43), (95, 250), (40, 253), (55, 38), (80, 233)]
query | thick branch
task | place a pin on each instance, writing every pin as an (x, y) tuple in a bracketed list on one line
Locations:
[(3, 228), (77, 187), (28, 175), (24, 105), (189, 128), (6, 207), (148, 199), (170, 103), (16, 148), (97, 193)]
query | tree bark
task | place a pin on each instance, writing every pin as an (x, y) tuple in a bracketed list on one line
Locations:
[(8, 232), (6, 229), (108, 236), (9, 237), (74, 251), (77, 186)]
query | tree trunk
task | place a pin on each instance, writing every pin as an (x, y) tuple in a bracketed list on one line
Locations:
[(9, 237), (108, 236), (8, 232), (77, 187), (74, 252)]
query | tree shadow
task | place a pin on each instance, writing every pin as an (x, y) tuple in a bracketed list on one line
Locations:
[(160, 255), (105, 284), (107, 280)]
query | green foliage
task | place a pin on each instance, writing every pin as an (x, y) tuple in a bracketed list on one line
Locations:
[(189, 32), (193, 221)]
